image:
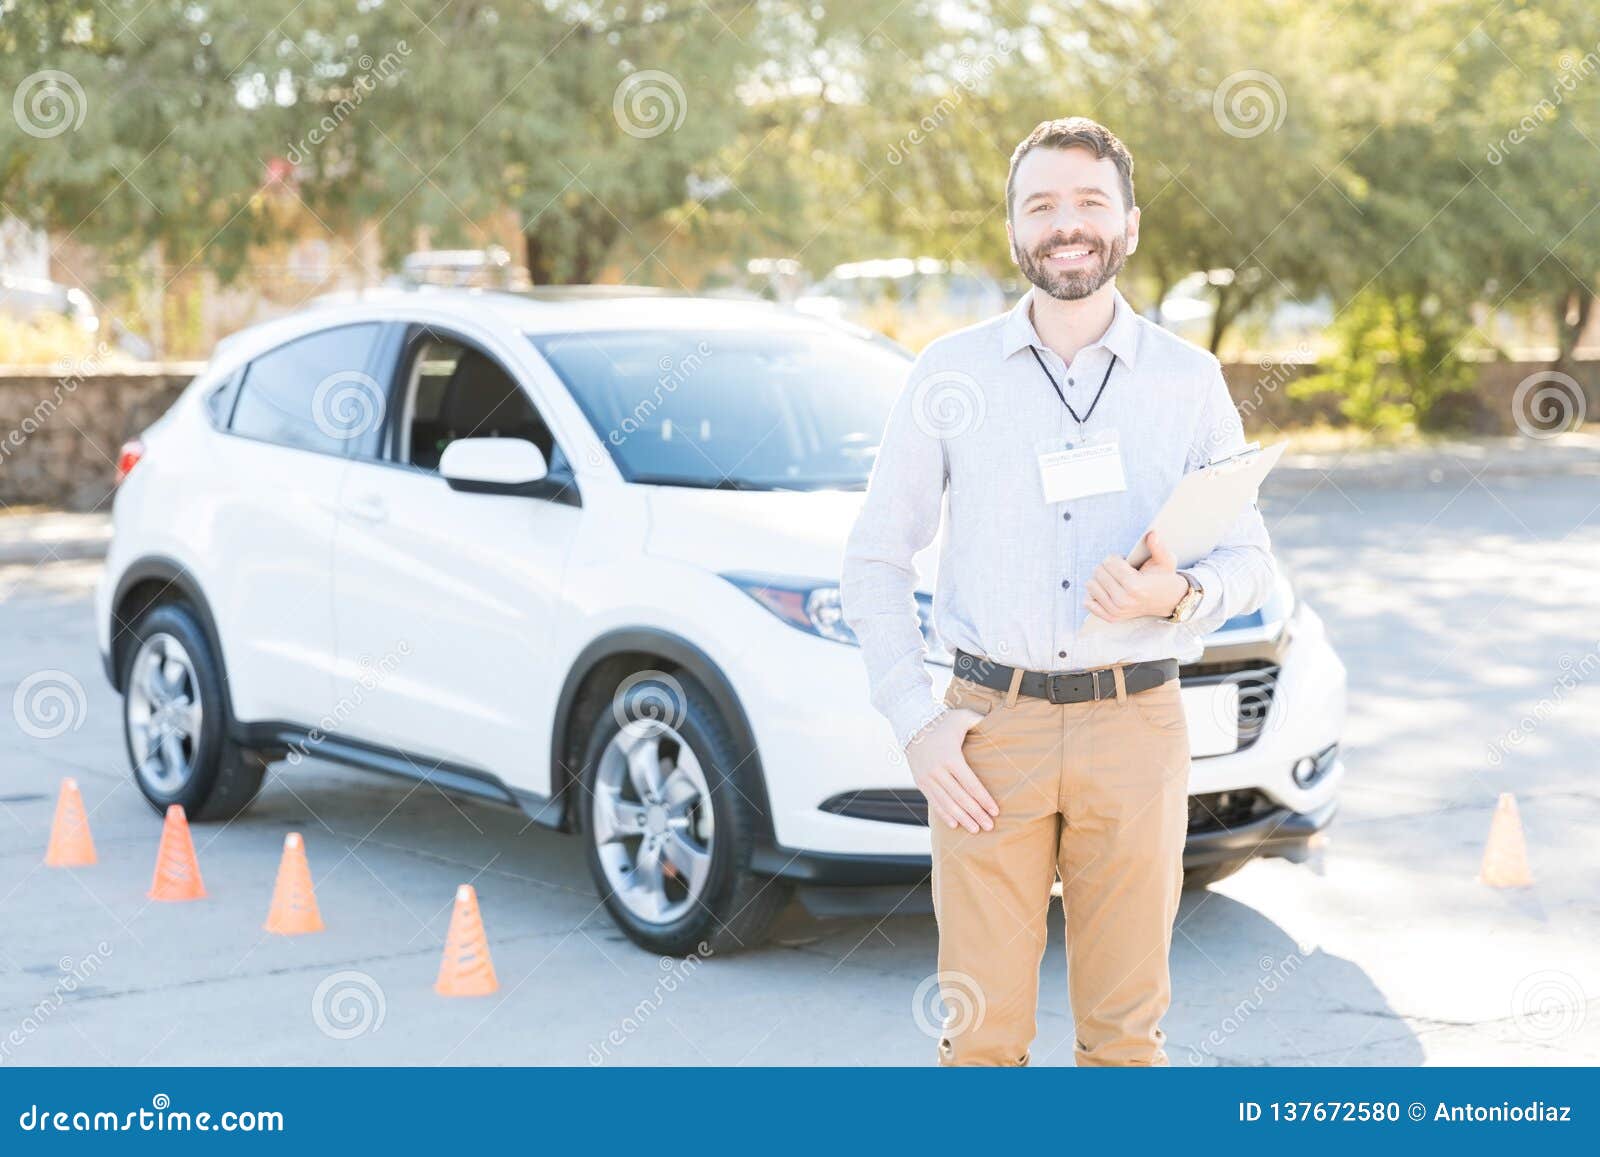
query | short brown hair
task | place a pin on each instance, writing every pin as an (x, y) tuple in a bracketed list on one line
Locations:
[(1074, 133)]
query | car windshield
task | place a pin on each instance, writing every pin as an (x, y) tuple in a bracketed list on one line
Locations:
[(733, 410)]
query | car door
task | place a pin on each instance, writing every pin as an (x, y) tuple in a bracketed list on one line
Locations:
[(444, 600), (271, 519)]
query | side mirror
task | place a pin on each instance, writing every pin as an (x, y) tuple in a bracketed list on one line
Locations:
[(494, 466)]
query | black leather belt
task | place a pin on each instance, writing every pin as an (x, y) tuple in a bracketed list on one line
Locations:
[(1067, 686)]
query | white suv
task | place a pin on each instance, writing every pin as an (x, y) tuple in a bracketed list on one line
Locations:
[(578, 553)]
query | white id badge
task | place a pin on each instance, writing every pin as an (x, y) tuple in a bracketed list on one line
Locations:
[(1079, 471)]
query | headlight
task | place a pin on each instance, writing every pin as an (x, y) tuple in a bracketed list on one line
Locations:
[(815, 608)]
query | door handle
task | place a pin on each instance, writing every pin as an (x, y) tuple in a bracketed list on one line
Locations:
[(368, 508)]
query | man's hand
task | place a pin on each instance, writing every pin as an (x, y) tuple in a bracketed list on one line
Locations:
[(954, 793), (1118, 592)]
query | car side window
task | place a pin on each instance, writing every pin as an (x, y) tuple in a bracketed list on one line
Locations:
[(454, 390), (313, 393)]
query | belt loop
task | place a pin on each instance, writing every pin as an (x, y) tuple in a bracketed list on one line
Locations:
[(1016, 685), (1122, 683)]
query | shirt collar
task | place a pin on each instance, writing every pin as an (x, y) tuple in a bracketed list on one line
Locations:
[(1121, 336)]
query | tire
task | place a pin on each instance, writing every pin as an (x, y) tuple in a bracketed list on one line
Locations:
[(703, 822), (1205, 875), (169, 655)]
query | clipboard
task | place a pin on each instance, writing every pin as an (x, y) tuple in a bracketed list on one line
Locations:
[(1203, 506)]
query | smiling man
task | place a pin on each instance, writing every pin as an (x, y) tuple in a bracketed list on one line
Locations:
[(1060, 748)]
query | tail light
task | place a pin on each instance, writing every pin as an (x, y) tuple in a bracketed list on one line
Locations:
[(128, 458)]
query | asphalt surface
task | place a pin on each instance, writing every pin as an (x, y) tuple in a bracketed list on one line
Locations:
[(1463, 604)]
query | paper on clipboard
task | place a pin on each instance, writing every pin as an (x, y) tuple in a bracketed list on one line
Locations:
[(1202, 507)]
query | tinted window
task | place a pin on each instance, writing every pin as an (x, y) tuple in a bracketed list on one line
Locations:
[(456, 391), (790, 411), (314, 393)]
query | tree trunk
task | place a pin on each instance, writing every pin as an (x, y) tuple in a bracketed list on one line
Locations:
[(1572, 312)]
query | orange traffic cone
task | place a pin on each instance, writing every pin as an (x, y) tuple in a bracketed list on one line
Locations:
[(71, 846), (177, 871), (294, 904), (466, 969), (1505, 858)]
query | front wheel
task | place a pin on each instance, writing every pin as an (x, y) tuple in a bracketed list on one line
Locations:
[(175, 720), (670, 833)]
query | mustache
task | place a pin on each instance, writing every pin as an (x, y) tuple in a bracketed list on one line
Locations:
[(1093, 243)]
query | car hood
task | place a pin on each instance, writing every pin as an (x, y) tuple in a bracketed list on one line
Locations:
[(793, 534)]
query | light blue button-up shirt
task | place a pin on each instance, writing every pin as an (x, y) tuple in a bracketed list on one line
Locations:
[(960, 454)]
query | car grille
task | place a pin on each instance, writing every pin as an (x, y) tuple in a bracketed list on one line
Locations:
[(1217, 811), (1257, 682), (1211, 812)]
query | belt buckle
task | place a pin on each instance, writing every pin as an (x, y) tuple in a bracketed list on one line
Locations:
[(1057, 683), (1052, 687)]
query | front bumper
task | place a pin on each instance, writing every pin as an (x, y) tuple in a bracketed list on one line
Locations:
[(1276, 832)]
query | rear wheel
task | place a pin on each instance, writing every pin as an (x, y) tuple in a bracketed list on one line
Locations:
[(175, 720), (669, 832)]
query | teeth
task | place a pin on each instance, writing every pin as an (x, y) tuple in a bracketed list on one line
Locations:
[(1070, 253)]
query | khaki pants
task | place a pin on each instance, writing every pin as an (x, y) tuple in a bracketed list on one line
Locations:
[(1097, 794)]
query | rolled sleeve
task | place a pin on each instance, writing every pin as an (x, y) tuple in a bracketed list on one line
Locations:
[(900, 517)]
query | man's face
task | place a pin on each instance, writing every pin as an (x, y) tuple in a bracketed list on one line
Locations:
[(1070, 232)]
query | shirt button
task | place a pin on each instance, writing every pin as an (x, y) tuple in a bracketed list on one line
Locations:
[(1065, 583), (1070, 382), (1061, 654), (1066, 516)]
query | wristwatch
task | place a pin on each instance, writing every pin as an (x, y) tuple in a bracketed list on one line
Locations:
[(1190, 600)]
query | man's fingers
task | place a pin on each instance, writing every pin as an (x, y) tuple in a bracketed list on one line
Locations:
[(1104, 595), (969, 780), (940, 803), (1109, 588), (1096, 607), (1118, 568), (958, 803)]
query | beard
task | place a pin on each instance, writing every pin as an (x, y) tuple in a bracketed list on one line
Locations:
[(1073, 284)]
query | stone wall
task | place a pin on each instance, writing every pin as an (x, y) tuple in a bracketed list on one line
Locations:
[(60, 434)]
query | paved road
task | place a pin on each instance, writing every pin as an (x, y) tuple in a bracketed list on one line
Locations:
[(1463, 608)]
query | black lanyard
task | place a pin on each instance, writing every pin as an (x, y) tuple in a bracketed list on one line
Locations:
[(1035, 352)]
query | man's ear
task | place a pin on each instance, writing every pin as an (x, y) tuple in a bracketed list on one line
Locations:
[(1011, 243), (1133, 230)]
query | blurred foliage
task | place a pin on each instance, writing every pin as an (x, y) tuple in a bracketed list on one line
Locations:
[(1394, 358), (1379, 153), (45, 341)]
